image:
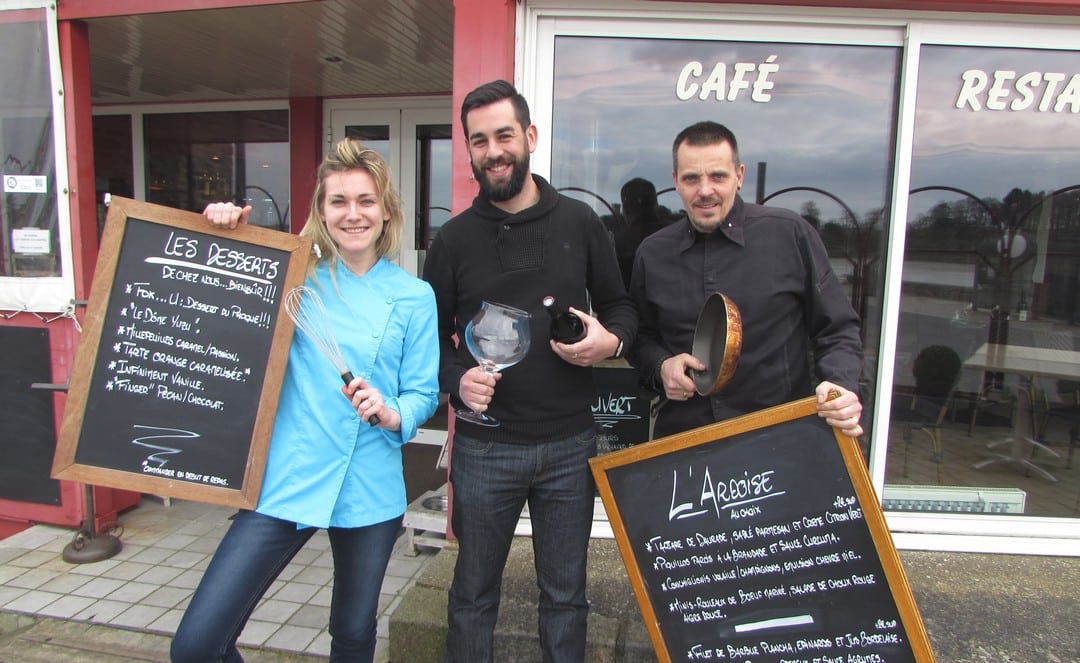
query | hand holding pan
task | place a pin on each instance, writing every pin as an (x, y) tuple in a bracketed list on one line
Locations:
[(717, 343)]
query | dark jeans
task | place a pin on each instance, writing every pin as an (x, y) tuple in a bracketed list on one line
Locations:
[(254, 551), (491, 483)]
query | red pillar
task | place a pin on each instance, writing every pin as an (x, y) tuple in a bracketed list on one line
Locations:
[(483, 51), (306, 136), (75, 65)]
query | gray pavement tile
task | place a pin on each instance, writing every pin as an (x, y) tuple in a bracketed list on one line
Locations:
[(322, 597), (102, 611), (8, 553), (291, 570), (127, 571), (132, 592), (32, 601), (175, 541), (32, 578), (315, 575), (204, 544), (8, 594), (167, 623), (256, 631), (292, 638), (66, 583), (186, 559), (326, 559), (297, 592), (305, 555), (312, 616), (96, 568), (153, 555), (137, 616), (392, 584), (157, 575), (166, 597), (275, 611), (187, 579), (99, 588), (9, 572), (320, 646), (66, 607), (32, 559)]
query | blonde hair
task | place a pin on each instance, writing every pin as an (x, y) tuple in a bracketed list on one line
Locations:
[(350, 154)]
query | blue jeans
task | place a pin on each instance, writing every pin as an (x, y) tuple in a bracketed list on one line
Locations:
[(491, 483), (252, 554)]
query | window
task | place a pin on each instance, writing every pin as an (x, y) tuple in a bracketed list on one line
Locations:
[(815, 125), (193, 159), (990, 279), (35, 237)]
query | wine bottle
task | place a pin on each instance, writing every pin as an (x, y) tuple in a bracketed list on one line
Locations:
[(1022, 307), (565, 326)]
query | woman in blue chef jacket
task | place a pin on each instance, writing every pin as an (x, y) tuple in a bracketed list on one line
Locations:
[(334, 460)]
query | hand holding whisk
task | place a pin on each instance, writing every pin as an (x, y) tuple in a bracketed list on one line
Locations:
[(305, 307)]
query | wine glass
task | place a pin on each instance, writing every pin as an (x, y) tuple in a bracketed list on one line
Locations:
[(498, 337)]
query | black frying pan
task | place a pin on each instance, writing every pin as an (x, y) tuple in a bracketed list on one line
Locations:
[(717, 343)]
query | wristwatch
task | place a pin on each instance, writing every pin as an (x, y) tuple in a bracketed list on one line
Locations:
[(618, 351)]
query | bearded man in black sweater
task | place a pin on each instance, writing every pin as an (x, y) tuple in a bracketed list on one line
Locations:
[(518, 242)]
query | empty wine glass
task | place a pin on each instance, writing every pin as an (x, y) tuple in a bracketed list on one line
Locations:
[(498, 337)]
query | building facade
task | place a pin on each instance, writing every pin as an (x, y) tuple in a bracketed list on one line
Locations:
[(933, 145)]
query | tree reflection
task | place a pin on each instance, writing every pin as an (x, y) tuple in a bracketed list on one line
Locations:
[(857, 243), (1020, 223)]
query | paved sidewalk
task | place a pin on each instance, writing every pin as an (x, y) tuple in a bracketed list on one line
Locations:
[(133, 601)]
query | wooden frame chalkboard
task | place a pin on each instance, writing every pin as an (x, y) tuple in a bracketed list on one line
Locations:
[(760, 539), (177, 373)]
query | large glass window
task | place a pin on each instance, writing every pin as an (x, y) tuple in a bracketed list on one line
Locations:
[(30, 241), (987, 377), (815, 125), (197, 158)]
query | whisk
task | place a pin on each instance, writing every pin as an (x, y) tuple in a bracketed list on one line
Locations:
[(307, 311)]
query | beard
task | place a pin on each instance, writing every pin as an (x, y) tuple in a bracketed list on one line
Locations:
[(503, 191)]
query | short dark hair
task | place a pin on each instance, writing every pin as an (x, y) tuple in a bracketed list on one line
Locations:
[(705, 132), (638, 194), (492, 92)]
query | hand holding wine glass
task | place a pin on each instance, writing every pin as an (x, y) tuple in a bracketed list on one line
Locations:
[(498, 337)]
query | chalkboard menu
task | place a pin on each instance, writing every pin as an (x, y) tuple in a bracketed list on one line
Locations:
[(760, 539), (621, 410), (178, 369)]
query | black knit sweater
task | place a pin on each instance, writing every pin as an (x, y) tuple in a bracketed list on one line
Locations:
[(557, 247)]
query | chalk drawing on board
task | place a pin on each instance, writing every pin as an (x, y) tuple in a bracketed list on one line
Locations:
[(204, 268), (160, 456), (612, 408), (776, 622)]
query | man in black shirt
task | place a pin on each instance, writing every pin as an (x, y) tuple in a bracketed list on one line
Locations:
[(518, 242), (800, 335)]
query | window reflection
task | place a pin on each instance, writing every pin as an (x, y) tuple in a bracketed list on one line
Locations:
[(433, 150), (28, 215), (193, 159), (991, 275), (815, 125)]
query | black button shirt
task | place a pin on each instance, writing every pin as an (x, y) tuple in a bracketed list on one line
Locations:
[(798, 326)]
